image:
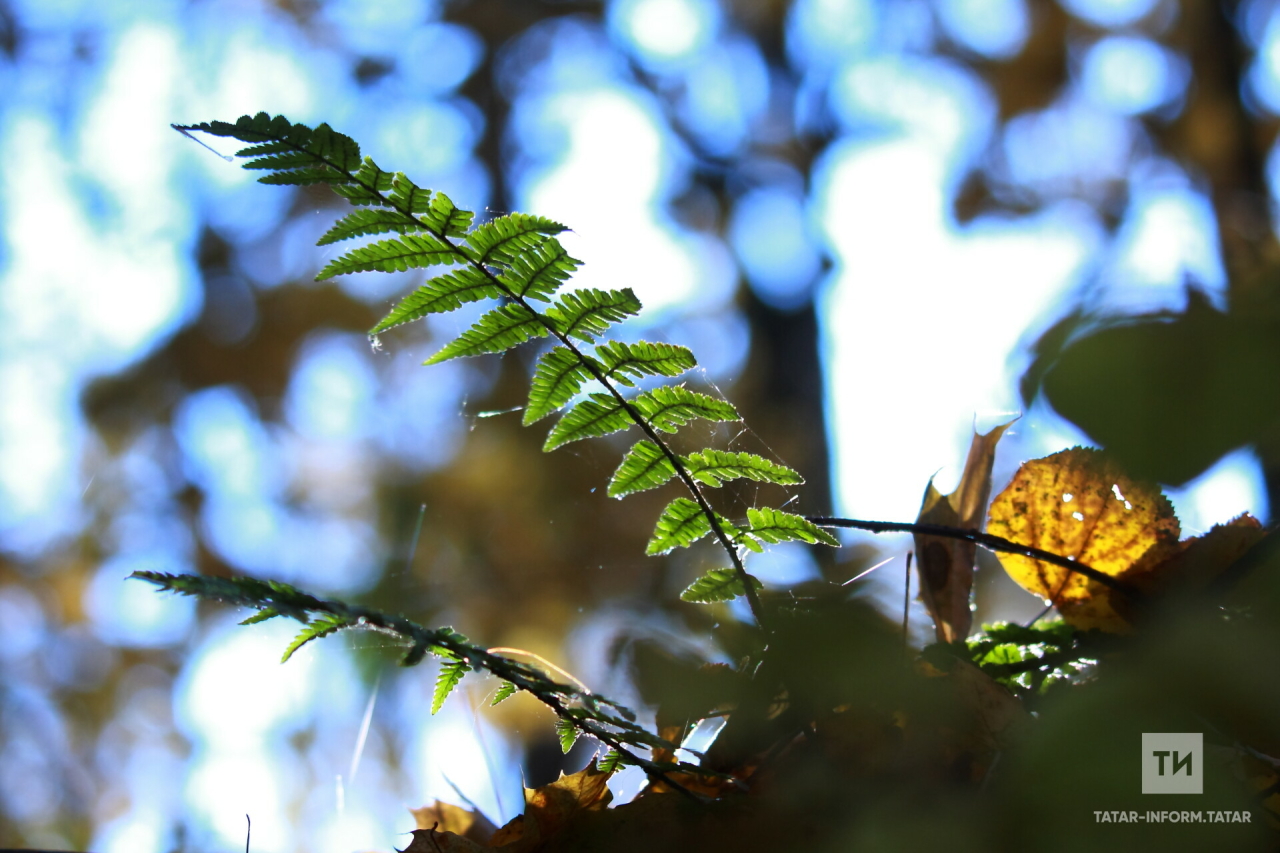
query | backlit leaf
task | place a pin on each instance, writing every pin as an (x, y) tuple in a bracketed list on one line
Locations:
[(718, 585), (774, 525), (644, 467)]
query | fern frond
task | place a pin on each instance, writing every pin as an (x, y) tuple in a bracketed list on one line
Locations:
[(539, 271), (396, 255), (558, 376), (567, 732), (294, 153), (321, 626), (610, 762), (446, 218), (502, 240), (501, 329), (451, 672), (681, 524), (718, 585), (715, 467), (441, 295), (584, 314), (365, 222), (669, 407), (600, 414), (505, 691), (643, 359), (644, 467), (773, 526)]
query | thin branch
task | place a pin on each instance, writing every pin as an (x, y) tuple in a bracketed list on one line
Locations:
[(986, 540)]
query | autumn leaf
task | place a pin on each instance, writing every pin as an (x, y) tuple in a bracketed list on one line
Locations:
[(1078, 504), (946, 565)]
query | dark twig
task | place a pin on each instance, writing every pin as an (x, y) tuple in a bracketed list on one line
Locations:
[(986, 540)]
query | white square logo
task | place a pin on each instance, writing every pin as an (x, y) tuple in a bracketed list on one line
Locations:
[(1173, 763)]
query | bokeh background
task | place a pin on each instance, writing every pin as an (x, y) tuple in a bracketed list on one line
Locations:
[(859, 214)]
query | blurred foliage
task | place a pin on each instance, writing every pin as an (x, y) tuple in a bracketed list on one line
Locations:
[(558, 546)]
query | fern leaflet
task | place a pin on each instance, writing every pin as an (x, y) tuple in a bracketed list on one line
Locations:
[(584, 314), (366, 221), (451, 672), (441, 295), (643, 359), (718, 585), (321, 626), (443, 217), (501, 329), (567, 732), (559, 375), (715, 467), (682, 523), (600, 414), (539, 272), (505, 691), (644, 467), (396, 255), (509, 237), (774, 525), (669, 407)]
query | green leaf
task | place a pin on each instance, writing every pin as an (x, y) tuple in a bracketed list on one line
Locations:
[(681, 524), (718, 585), (644, 467), (261, 616), (370, 187), (321, 626), (610, 761), (584, 314), (440, 295), (670, 407), (567, 732), (395, 255), (643, 359), (505, 691), (451, 673), (446, 219), (600, 414), (539, 271), (407, 196), (715, 467), (501, 329), (506, 238), (558, 376), (365, 221), (304, 177), (774, 525)]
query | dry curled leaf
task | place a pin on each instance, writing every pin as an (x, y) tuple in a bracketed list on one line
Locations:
[(946, 565), (1078, 504)]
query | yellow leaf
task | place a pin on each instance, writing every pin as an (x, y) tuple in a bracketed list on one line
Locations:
[(1079, 504), (945, 565)]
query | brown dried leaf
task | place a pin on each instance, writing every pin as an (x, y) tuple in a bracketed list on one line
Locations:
[(946, 565)]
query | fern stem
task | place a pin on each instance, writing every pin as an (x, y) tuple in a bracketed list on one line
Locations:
[(986, 540)]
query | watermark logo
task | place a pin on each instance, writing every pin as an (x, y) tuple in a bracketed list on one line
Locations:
[(1173, 763)]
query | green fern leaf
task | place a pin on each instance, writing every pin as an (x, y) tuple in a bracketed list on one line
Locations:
[(440, 295), (559, 375), (718, 585), (407, 196), (584, 314), (364, 222), (681, 524), (505, 691), (451, 673), (774, 525), (539, 271), (501, 329), (670, 407), (261, 616), (370, 187), (321, 626), (502, 240), (396, 255), (445, 218), (303, 177), (643, 359), (568, 734), (610, 761), (714, 467), (600, 414), (295, 153), (644, 467)]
